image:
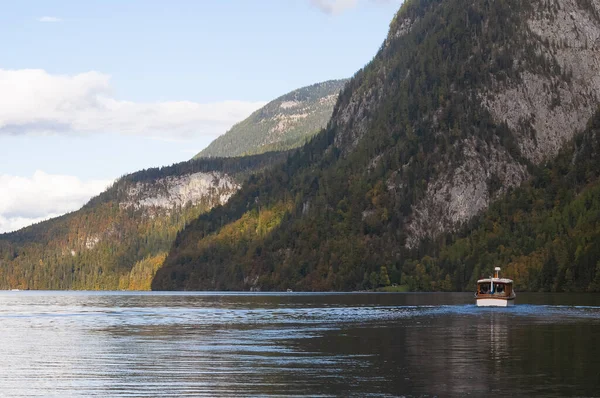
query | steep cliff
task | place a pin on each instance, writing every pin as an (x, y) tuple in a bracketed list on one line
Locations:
[(545, 234), (464, 102), (535, 67)]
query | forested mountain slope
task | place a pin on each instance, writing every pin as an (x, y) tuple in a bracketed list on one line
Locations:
[(284, 123), (120, 238), (464, 102), (545, 234)]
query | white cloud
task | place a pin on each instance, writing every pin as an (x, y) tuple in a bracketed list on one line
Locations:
[(336, 7), (333, 6), (27, 200), (34, 101), (49, 19)]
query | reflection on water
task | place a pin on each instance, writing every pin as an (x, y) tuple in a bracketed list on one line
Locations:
[(133, 344)]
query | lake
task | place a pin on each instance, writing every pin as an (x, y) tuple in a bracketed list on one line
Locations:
[(296, 344)]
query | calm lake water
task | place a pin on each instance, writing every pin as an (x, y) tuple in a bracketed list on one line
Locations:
[(163, 344)]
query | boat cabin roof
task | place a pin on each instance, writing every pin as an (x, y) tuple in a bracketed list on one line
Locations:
[(496, 280)]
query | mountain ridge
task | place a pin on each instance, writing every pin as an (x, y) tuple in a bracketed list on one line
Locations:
[(282, 124)]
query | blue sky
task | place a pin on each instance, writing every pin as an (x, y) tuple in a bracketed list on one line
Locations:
[(91, 90)]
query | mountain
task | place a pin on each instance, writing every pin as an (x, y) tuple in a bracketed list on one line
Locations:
[(282, 124), (120, 238), (546, 233), (466, 104)]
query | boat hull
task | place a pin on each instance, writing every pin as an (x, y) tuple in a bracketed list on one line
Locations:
[(495, 302)]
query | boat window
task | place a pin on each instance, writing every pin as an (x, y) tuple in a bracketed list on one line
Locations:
[(484, 288), (500, 288)]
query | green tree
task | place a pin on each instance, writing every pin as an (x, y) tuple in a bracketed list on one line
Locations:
[(384, 279)]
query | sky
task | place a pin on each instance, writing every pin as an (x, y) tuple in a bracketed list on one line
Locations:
[(92, 90)]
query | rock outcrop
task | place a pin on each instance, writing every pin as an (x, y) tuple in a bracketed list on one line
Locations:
[(178, 191), (548, 109)]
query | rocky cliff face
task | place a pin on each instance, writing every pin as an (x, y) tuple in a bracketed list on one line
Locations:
[(544, 107), (458, 194), (178, 191), (548, 109), (160, 199)]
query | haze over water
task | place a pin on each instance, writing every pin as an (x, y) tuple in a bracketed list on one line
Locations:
[(159, 344)]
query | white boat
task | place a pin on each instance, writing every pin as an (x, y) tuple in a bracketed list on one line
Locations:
[(495, 291)]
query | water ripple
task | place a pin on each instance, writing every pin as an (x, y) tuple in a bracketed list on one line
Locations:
[(138, 345)]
